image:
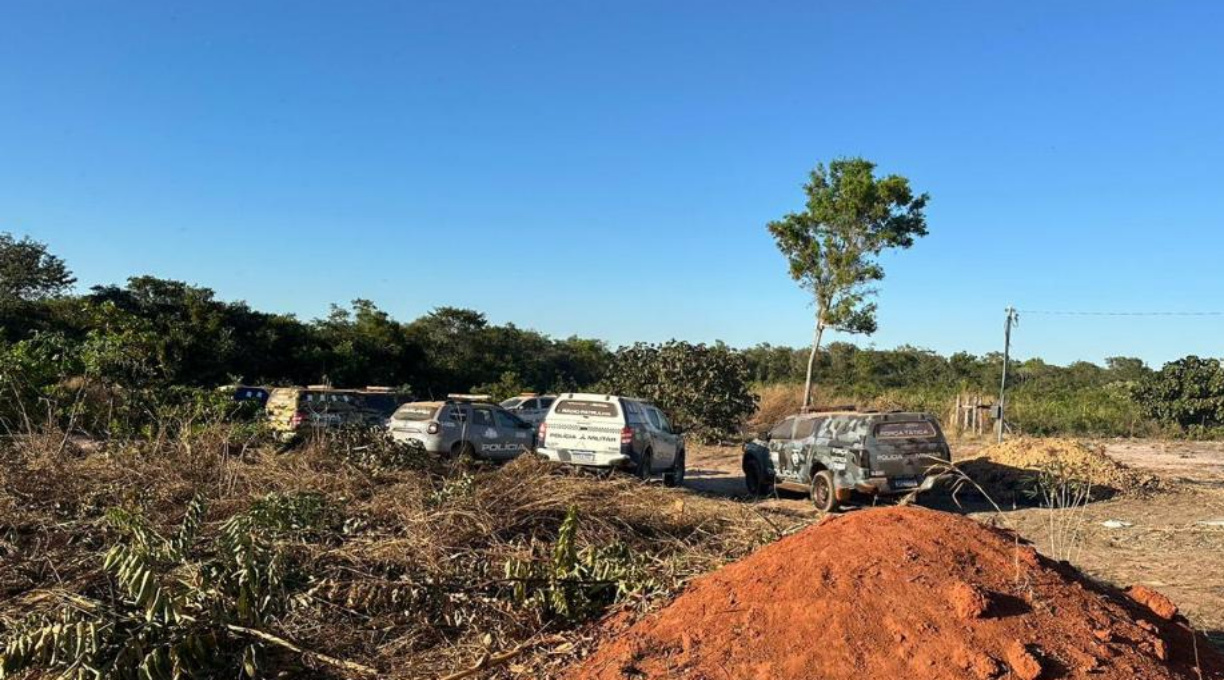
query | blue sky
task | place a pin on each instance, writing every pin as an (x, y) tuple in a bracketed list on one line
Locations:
[(482, 154)]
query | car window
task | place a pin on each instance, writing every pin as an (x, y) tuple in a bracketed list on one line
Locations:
[(806, 427), (505, 420), (633, 414), (919, 429), (530, 404), (511, 403), (546, 403), (653, 415), (456, 413), (585, 407), (483, 417), (664, 421), (414, 412), (783, 430)]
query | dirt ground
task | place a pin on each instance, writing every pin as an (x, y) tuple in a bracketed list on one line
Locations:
[(1171, 540)]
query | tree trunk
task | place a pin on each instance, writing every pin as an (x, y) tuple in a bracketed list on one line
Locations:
[(807, 385)]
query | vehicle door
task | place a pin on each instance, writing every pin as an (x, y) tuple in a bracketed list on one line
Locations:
[(780, 441), (482, 431), (664, 442), (514, 435), (840, 441), (635, 420), (796, 457)]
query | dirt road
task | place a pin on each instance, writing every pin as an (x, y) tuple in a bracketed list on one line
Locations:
[(1172, 541)]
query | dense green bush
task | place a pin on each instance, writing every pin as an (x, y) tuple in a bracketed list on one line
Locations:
[(704, 389), (1188, 393)]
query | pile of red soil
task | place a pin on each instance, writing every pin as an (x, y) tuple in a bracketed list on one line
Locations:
[(904, 593)]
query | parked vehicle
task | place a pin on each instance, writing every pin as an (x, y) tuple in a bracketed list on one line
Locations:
[(530, 407), (384, 400), (249, 393), (834, 455), (295, 411), (610, 431), (463, 425)]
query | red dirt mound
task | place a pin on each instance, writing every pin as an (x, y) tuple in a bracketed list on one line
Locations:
[(902, 593)]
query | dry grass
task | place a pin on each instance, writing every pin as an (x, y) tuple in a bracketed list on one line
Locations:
[(780, 400), (776, 402), (1014, 470), (407, 576)]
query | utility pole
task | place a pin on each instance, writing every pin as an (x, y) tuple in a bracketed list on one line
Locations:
[(1012, 318)]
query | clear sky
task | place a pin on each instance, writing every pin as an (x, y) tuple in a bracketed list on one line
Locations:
[(607, 169)]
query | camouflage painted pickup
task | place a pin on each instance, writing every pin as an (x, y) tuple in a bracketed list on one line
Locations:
[(834, 455)]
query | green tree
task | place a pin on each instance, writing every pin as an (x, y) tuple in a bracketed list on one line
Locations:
[(1127, 369), (28, 272), (833, 245), (1188, 392), (703, 389), (365, 346)]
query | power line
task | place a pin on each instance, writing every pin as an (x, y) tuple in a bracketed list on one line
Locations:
[(1076, 313)]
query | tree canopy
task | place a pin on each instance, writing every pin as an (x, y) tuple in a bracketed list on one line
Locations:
[(28, 272), (832, 246)]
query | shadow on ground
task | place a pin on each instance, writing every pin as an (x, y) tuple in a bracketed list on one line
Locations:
[(981, 487)]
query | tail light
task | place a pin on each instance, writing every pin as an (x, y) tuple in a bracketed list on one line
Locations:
[(543, 432), (433, 428), (297, 419), (626, 435)]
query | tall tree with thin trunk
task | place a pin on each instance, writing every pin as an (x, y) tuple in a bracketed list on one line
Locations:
[(833, 246)]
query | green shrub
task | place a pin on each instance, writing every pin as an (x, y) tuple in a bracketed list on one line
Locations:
[(182, 607), (703, 389), (1188, 393), (576, 584)]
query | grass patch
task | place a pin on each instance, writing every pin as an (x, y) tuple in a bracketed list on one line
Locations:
[(366, 556)]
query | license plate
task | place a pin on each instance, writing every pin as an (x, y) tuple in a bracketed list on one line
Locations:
[(904, 483), (582, 456)]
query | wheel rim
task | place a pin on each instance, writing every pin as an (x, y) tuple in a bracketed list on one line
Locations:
[(821, 493)]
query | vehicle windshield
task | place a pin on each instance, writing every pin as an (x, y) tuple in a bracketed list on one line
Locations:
[(415, 412), (511, 403)]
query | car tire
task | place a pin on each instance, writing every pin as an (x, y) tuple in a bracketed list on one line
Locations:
[(824, 491), (754, 478), (645, 462), (675, 476)]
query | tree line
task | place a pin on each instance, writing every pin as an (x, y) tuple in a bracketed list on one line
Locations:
[(155, 334)]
